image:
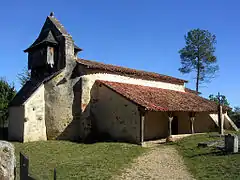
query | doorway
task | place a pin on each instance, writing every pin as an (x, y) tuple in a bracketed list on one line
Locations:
[(175, 125)]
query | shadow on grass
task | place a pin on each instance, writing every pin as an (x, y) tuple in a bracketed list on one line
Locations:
[(214, 153)]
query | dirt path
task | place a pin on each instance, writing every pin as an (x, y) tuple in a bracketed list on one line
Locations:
[(162, 162)]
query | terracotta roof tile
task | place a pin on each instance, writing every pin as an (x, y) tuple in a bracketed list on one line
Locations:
[(130, 72), (192, 91), (157, 99)]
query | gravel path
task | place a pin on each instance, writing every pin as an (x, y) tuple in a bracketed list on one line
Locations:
[(162, 162)]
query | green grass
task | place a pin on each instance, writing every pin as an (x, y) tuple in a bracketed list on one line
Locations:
[(208, 163), (77, 161)]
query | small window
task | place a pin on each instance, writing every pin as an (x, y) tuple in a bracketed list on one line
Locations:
[(50, 56)]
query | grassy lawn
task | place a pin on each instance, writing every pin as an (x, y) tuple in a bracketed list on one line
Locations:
[(77, 161), (208, 163)]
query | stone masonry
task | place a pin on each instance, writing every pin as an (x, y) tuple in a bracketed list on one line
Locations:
[(7, 161)]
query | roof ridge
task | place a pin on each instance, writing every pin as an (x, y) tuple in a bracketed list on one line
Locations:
[(58, 24)]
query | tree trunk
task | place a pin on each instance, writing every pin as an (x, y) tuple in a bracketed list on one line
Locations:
[(198, 74), (197, 83)]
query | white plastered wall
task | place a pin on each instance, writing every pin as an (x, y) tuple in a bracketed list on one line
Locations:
[(89, 80), (228, 123), (203, 123), (34, 117), (155, 125), (115, 115)]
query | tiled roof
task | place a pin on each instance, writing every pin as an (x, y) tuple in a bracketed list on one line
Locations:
[(28, 89), (130, 72), (157, 99), (77, 48), (192, 91), (25, 92), (46, 35)]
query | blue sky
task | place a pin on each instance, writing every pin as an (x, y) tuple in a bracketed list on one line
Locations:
[(141, 34)]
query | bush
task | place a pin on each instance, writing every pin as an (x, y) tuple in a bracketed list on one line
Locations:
[(7, 92)]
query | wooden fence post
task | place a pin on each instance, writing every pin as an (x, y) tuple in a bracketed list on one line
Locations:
[(220, 114), (24, 164), (15, 173), (55, 174), (24, 169)]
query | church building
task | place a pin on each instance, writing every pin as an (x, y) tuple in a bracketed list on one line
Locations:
[(73, 99)]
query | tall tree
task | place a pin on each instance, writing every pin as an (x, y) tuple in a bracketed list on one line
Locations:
[(235, 115), (24, 76), (7, 92), (198, 55), (237, 109), (215, 99)]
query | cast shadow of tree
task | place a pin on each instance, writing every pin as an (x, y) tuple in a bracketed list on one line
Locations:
[(214, 153)]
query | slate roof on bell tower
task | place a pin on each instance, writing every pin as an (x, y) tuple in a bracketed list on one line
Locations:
[(50, 32), (45, 37)]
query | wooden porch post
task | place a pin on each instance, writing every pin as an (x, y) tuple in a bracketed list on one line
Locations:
[(220, 120), (220, 114), (142, 119), (170, 118), (192, 119), (142, 127)]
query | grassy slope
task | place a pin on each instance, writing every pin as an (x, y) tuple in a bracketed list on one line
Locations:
[(77, 161), (208, 163)]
